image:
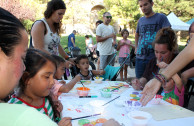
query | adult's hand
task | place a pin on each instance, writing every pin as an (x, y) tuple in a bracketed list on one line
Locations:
[(68, 64), (111, 122), (149, 91), (66, 121), (136, 84)]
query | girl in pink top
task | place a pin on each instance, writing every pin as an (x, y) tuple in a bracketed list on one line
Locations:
[(123, 47), (61, 86)]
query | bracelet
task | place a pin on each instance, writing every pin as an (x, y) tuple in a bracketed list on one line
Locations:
[(161, 78)]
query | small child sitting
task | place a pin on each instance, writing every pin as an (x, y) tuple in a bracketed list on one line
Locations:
[(61, 86), (173, 89), (82, 63)]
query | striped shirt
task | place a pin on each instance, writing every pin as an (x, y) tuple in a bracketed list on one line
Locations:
[(45, 108)]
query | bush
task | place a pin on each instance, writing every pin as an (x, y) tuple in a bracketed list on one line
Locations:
[(27, 24)]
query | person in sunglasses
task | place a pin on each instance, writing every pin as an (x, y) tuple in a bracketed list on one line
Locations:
[(106, 38), (147, 27)]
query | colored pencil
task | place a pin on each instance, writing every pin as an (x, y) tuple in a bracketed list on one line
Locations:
[(86, 116)]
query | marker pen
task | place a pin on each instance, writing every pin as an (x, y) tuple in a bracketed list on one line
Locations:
[(88, 96)]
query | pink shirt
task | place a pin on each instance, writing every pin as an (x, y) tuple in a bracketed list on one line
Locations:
[(124, 49), (180, 95), (55, 90)]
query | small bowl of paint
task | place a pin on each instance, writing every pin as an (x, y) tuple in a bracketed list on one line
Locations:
[(83, 91), (106, 93)]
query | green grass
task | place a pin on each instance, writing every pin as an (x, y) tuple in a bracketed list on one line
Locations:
[(80, 42)]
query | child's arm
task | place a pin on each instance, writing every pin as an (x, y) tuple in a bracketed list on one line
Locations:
[(98, 72), (175, 77), (178, 81), (67, 87), (119, 45)]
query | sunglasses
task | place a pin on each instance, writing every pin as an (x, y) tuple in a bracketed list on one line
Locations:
[(108, 17)]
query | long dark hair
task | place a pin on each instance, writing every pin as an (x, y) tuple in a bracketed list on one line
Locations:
[(10, 31), (35, 60), (52, 6)]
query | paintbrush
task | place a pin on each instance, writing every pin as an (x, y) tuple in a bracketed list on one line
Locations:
[(111, 101), (82, 83), (86, 116)]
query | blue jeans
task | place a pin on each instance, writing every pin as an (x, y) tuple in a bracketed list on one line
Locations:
[(140, 65)]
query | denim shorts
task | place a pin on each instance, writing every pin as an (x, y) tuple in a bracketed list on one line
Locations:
[(122, 59), (140, 65)]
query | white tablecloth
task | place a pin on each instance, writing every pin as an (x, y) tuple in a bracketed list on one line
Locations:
[(74, 107)]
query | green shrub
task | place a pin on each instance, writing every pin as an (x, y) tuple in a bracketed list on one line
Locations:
[(27, 24)]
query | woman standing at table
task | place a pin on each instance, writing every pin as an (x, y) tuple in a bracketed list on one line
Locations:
[(46, 32)]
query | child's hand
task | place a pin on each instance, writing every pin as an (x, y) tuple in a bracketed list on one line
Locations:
[(111, 122), (78, 78), (136, 84), (62, 82), (162, 65), (66, 121), (58, 105)]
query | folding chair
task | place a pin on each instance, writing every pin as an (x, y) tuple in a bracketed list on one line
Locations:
[(111, 72)]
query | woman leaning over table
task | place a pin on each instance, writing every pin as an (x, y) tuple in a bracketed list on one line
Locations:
[(184, 57), (165, 47), (13, 46), (46, 32)]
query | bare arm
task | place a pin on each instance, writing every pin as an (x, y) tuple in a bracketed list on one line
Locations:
[(119, 45), (38, 32), (136, 41), (72, 40), (178, 82), (98, 72), (101, 39), (187, 74), (67, 87)]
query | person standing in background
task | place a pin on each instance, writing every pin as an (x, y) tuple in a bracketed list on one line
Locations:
[(147, 28), (106, 38), (71, 40)]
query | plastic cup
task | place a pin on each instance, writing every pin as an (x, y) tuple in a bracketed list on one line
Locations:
[(83, 91), (139, 118)]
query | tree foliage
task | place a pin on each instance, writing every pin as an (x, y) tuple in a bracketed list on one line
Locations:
[(20, 8), (127, 12)]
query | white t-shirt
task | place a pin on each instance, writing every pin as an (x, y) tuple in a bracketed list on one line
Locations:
[(105, 47), (20, 115)]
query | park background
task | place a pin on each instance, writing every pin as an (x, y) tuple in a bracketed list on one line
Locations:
[(81, 15)]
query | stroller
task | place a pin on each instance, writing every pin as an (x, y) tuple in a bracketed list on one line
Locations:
[(113, 72), (132, 58)]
